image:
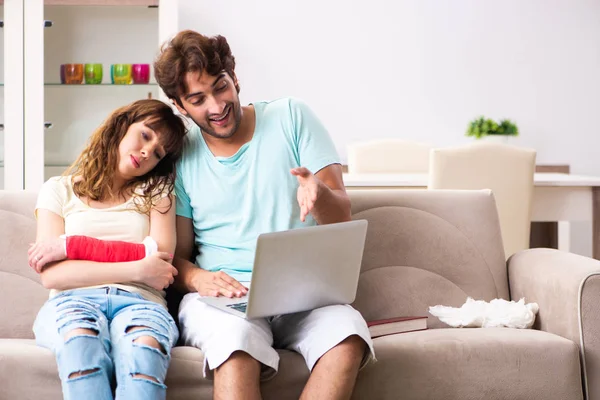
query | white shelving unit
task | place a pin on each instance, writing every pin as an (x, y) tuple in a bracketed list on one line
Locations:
[(11, 137), (92, 31), (148, 3)]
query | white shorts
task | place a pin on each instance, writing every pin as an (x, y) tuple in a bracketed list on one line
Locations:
[(312, 333)]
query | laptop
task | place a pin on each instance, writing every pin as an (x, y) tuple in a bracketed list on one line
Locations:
[(300, 270)]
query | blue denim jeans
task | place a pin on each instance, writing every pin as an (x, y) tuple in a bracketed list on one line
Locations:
[(112, 356)]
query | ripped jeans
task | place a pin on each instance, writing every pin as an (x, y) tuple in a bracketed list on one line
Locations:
[(120, 328)]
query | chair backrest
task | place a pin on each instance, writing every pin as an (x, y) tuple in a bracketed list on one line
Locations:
[(506, 170), (388, 156), (21, 292), (425, 248)]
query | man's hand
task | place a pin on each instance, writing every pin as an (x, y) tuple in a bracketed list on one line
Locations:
[(45, 252), (218, 284), (309, 189), (156, 270)]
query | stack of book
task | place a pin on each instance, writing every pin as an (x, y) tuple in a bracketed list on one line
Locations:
[(392, 326)]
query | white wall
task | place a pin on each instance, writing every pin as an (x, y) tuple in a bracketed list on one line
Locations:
[(421, 69)]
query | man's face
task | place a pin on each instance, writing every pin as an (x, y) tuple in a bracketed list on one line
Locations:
[(212, 102)]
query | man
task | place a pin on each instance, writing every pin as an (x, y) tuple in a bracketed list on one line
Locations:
[(246, 170)]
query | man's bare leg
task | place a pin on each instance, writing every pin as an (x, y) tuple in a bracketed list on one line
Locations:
[(334, 375), (238, 378)]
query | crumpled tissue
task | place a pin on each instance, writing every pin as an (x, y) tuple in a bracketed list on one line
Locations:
[(496, 313)]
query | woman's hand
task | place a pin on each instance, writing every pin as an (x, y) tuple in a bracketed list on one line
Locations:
[(47, 251), (156, 270)]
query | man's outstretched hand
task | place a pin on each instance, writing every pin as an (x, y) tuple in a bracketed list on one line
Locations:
[(309, 189)]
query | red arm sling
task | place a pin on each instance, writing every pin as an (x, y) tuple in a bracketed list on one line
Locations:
[(91, 249)]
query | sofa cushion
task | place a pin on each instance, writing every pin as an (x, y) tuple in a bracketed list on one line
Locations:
[(33, 374), (425, 248), (493, 363), (28, 372), (461, 364), (21, 293)]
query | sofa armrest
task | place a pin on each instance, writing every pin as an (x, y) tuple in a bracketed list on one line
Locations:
[(567, 288)]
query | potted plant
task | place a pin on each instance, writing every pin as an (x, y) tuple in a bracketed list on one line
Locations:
[(490, 129)]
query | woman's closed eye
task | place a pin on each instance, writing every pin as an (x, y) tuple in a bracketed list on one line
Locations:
[(157, 153)]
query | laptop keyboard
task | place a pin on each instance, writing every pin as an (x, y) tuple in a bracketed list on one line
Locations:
[(241, 307)]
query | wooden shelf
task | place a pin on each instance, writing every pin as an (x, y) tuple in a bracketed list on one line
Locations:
[(147, 3)]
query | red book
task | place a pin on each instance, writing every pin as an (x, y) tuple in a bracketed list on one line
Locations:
[(382, 327)]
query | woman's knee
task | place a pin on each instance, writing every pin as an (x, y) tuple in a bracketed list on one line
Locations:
[(80, 332), (147, 351), (83, 353), (150, 342), (146, 340)]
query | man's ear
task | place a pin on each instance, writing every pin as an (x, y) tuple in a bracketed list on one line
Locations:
[(236, 83), (180, 109)]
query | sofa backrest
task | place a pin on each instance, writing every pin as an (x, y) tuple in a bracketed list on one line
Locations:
[(425, 248), (21, 293)]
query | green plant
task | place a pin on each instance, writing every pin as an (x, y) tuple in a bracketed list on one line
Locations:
[(481, 127)]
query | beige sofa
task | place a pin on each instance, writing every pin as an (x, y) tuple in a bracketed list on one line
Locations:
[(423, 248)]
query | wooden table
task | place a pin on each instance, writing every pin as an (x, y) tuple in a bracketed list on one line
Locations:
[(562, 198)]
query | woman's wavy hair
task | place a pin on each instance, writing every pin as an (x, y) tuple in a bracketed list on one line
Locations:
[(189, 51), (97, 163)]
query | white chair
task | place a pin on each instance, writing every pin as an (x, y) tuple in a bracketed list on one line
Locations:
[(506, 170), (388, 156)]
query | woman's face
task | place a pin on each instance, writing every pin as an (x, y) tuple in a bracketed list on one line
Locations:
[(139, 151)]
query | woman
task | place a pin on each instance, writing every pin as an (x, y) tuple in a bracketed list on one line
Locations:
[(107, 320)]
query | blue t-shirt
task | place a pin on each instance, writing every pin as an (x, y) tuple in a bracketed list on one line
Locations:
[(234, 199)]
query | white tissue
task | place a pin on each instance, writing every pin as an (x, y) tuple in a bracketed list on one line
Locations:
[(496, 313)]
